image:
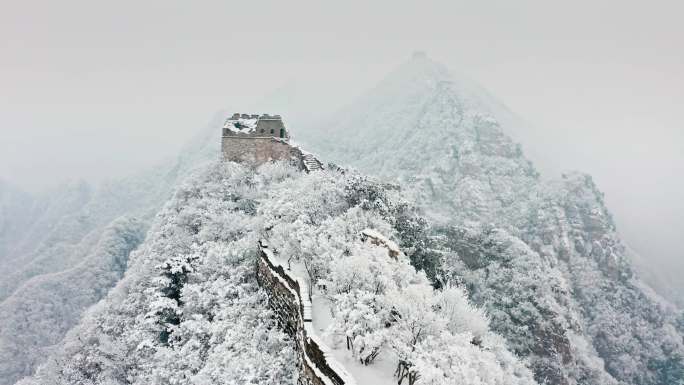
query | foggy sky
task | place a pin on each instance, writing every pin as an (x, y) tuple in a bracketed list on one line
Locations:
[(99, 89)]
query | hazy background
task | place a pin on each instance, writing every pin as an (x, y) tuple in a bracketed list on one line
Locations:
[(99, 89)]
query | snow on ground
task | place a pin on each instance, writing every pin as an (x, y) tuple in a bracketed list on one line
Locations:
[(381, 372), (241, 125)]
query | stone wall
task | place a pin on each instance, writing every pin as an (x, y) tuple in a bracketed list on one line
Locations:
[(258, 150), (271, 126), (288, 299)]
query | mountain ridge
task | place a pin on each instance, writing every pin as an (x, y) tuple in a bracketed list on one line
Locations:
[(68, 236), (449, 150), (541, 257)]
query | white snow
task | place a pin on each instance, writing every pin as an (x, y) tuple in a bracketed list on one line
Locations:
[(381, 372), (241, 125)]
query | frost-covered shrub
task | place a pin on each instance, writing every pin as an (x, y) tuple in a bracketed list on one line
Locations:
[(453, 304), (361, 319), (192, 284)]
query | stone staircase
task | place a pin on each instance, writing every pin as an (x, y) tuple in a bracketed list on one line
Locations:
[(311, 163)]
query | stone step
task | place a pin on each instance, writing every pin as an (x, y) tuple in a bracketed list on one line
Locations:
[(311, 163)]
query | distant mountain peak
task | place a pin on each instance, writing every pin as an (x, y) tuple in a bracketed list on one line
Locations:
[(448, 143), (420, 64)]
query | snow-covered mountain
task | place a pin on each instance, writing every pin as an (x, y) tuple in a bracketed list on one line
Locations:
[(504, 277), (189, 309), (434, 134), (66, 248), (542, 257), (16, 207)]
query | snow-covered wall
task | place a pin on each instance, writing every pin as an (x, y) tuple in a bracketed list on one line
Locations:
[(293, 312)]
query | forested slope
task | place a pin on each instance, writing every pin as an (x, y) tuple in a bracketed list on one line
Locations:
[(189, 309), (543, 257), (58, 249)]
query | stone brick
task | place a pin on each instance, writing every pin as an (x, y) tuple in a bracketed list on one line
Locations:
[(257, 150)]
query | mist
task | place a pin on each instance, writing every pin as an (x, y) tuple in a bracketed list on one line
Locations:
[(100, 90)]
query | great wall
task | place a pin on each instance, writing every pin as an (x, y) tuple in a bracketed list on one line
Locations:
[(254, 140), (293, 314)]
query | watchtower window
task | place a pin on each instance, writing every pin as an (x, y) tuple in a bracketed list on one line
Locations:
[(272, 131), (282, 132), (262, 130)]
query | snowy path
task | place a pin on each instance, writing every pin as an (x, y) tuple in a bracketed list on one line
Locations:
[(381, 372)]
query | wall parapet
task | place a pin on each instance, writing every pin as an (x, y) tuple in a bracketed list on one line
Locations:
[(288, 299)]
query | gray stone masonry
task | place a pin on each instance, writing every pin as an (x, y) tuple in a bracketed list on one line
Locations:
[(267, 141)]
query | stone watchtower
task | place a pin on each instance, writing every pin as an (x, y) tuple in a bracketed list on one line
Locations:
[(256, 139)]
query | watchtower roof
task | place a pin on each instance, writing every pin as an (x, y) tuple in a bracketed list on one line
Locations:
[(255, 125), (244, 124)]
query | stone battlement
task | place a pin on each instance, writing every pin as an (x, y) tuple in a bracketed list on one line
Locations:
[(256, 139), (253, 125), (238, 115)]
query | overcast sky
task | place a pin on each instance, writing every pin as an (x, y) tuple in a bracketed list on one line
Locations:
[(93, 88)]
